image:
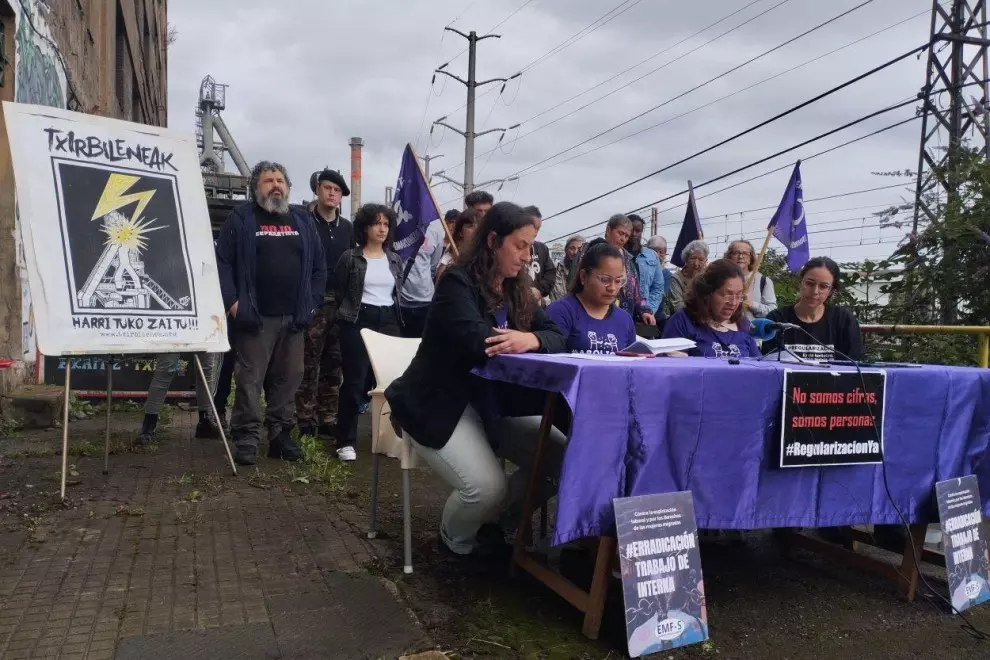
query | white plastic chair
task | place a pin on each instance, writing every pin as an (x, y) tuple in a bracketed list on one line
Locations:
[(390, 356)]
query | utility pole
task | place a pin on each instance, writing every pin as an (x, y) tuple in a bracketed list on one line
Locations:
[(472, 84), (957, 63), (427, 159), (653, 221)]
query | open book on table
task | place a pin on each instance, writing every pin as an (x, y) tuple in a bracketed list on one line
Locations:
[(658, 346)]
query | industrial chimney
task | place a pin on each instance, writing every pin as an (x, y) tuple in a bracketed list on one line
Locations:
[(356, 145)]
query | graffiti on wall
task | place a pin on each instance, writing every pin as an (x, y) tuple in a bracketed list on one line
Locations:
[(40, 79)]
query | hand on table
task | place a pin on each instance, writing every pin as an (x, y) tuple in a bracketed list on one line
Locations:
[(511, 342)]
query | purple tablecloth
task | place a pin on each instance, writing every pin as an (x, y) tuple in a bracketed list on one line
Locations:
[(703, 425)]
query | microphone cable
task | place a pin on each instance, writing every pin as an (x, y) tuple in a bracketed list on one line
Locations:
[(967, 626)]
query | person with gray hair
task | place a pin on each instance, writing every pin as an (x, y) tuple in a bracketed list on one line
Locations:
[(617, 233), (695, 257), (272, 277), (658, 244)]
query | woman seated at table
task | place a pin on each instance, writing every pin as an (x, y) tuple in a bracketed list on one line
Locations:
[(589, 317), (482, 307), (695, 257), (462, 229), (713, 315), (828, 331)]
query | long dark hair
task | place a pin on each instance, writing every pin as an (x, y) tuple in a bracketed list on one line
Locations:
[(591, 260), (827, 264), (480, 263), (697, 303)]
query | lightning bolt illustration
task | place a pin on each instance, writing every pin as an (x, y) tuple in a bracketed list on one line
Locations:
[(113, 196)]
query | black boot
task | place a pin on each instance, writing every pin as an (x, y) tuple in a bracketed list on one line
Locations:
[(328, 431), (148, 430), (245, 454), (205, 428), (307, 430), (282, 446)]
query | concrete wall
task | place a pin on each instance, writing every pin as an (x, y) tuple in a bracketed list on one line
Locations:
[(103, 57)]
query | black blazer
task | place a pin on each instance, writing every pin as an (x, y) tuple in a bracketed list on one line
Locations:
[(429, 398)]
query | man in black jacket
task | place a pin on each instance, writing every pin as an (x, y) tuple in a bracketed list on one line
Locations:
[(541, 268), (318, 395), (272, 278)]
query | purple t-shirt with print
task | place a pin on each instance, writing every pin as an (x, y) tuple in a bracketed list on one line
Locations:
[(712, 343), (586, 334), (502, 318)]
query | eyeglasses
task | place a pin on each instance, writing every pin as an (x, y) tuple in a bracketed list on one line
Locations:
[(734, 297), (739, 253), (819, 286), (608, 280)]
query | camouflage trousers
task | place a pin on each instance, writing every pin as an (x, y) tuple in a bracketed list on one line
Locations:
[(318, 396)]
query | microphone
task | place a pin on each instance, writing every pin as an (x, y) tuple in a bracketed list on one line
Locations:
[(764, 329)]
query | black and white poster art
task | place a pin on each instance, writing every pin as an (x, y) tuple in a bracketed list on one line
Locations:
[(662, 585), (116, 233)]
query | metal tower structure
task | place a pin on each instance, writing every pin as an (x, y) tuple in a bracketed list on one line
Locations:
[(957, 64), (213, 99)]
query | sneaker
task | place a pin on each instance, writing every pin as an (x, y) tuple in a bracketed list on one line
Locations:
[(283, 447), (207, 430), (364, 406), (347, 454), (245, 455)]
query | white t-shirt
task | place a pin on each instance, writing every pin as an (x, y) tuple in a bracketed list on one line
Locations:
[(378, 283)]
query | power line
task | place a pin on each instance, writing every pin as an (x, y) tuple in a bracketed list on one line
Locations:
[(766, 122), (709, 104), (816, 199), (649, 73), (754, 164), (704, 84)]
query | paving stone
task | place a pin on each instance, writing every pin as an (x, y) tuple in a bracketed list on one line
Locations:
[(248, 641)]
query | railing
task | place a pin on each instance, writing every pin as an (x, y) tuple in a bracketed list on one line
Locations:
[(982, 333)]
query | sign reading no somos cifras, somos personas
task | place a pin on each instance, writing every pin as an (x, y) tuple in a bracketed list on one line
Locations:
[(832, 418), (116, 235)]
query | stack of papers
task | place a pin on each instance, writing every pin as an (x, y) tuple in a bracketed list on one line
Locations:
[(659, 346)]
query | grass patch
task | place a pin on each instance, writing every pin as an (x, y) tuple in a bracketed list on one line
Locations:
[(514, 630), (317, 467), (9, 427)]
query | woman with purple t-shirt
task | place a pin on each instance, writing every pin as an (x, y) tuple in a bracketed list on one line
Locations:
[(713, 315), (589, 318)]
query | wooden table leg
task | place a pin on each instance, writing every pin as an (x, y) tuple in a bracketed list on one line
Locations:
[(524, 535), (599, 587), (910, 569)]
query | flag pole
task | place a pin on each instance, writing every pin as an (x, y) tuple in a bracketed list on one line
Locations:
[(759, 260), (446, 229)]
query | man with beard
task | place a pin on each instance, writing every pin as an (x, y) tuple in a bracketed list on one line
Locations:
[(650, 271), (272, 276), (317, 398), (571, 248)]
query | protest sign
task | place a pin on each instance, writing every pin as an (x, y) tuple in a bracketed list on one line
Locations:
[(832, 418), (116, 235), (966, 562), (661, 572), (131, 375)]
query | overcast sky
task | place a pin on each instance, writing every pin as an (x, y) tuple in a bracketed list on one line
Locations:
[(306, 76)]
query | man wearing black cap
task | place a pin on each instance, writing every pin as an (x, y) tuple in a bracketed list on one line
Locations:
[(317, 397)]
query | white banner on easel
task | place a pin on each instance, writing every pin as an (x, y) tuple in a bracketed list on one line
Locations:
[(116, 235)]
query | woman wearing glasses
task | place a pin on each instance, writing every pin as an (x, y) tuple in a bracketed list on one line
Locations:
[(827, 331), (589, 317), (761, 298), (713, 315)]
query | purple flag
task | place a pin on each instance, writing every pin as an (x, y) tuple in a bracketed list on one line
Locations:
[(690, 229), (788, 223), (414, 205)]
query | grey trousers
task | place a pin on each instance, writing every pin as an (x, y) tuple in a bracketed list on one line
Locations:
[(269, 361), (482, 492), (166, 366)]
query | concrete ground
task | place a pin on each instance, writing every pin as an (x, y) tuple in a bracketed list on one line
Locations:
[(169, 556)]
